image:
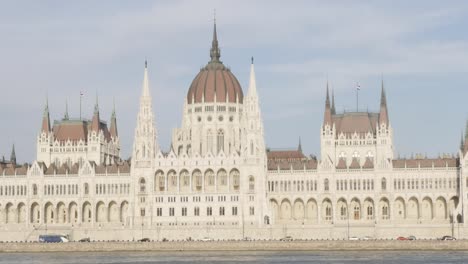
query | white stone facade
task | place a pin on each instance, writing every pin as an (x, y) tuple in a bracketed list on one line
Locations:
[(218, 179)]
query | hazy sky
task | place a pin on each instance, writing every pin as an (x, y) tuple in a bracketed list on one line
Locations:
[(61, 47)]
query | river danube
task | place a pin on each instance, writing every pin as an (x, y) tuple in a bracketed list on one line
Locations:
[(425, 257)]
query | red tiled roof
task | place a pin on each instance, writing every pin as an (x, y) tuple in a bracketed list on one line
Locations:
[(341, 164), (426, 163), (359, 122), (285, 154)]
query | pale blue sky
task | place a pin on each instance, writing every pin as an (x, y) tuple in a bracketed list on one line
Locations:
[(62, 47)]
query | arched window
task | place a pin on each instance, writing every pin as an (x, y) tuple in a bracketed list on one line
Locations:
[(142, 185), (251, 183), (357, 212), (384, 184), (34, 189), (326, 186), (220, 141)]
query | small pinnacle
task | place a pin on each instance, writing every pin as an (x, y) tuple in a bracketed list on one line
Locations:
[(252, 60)]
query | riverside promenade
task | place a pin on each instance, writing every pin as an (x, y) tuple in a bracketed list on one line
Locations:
[(315, 245)]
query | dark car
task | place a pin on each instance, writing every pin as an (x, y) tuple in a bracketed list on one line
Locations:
[(144, 240), (411, 238), (85, 239)]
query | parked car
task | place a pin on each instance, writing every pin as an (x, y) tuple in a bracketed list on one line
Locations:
[(367, 238), (448, 238), (402, 238), (287, 238), (353, 238), (85, 239), (145, 239), (206, 239), (411, 238), (247, 239)]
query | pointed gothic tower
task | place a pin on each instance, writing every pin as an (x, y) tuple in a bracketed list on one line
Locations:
[(384, 150), (95, 121), (113, 125), (327, 119), (145, 145), (13, 156), (255, 140), (254, 150), (46, 120), (383, 117)]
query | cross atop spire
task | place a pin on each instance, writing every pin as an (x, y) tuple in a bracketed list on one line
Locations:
[(215, 53)]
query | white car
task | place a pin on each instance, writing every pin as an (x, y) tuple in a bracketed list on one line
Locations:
[(206, 239), (353, 238)]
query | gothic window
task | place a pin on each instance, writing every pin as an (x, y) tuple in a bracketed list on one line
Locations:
[(251, 183), (196, 211), (185, 178), (142, 185), (328, 213), (370, 212), (34, 189), (357, 212), (384, 184), (385, 212), (235, 179), (220, 142), (343, 214), (326, 185), (251, 147)]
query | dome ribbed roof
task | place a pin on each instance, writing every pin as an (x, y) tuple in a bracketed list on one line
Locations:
[(215, 79)]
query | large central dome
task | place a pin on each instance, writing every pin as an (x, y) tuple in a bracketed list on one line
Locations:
[(215, 81)]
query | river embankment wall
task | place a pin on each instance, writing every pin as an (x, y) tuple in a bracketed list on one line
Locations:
[(315, 245)]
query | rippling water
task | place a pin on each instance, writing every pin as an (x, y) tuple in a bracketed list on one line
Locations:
[(237, 257)]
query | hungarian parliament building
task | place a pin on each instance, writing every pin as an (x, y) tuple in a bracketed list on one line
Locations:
[(218, 180)]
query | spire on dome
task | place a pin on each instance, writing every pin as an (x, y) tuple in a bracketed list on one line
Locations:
[(65, 116), (46, 118), (252, 92), (215, 53), (13, 155), (328, 115), (383, 118), (113, 124)]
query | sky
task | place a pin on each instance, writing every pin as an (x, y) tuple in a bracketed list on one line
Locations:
[(55, 49)]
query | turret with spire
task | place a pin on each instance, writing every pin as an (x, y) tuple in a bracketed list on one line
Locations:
[(13, 156), (299, 147), (113, 124), (145, 145), (327, 119), (383, 117), (46, 119), (95, 121)]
